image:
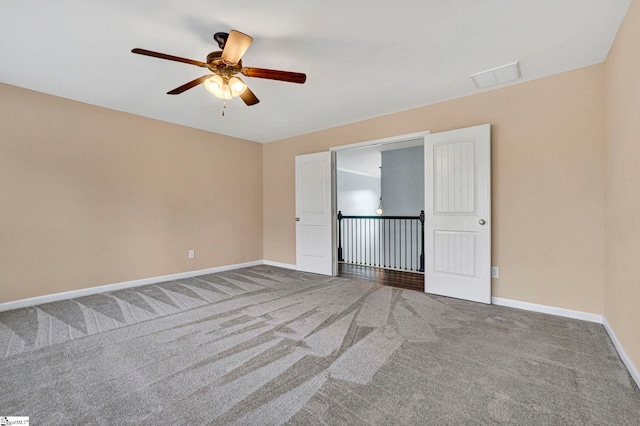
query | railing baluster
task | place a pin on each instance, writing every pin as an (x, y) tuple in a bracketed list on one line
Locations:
[(369, 223), (369, 240), (411, 237), (384, 245), (350, 240), (395, 243), (378, 228), (398, 243), (366, 246), (407, 257), (351, 234), (360, 241), (403, 236)]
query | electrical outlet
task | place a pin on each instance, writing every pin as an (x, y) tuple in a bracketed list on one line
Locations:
[(495, 272), (192, 254)]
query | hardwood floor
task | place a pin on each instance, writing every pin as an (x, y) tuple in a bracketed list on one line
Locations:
[(408, 280)]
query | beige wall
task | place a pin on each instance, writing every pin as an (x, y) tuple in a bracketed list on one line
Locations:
[(622, 282), (91, 196), (548, 182)]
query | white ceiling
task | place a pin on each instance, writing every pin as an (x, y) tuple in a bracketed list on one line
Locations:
[(363, 58)]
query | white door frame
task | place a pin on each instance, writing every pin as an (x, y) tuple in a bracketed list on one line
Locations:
[(334, 188), (334, 215)]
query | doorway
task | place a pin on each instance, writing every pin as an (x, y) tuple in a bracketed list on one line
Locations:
[(380, 203), (457, 218)]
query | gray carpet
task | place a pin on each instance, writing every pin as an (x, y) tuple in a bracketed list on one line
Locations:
[(263, 346)]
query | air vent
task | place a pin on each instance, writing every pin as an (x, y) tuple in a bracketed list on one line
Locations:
[(495, 76)]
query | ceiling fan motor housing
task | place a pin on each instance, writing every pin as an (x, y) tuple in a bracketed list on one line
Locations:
[(221, 39), (217, 65)]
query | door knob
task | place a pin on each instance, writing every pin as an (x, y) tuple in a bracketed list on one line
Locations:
[(297, 219), (482, 222)]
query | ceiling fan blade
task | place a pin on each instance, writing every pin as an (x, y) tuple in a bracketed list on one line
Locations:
[(169, 57), (248, 97), (236, 45), (189, 85), (291, 77)]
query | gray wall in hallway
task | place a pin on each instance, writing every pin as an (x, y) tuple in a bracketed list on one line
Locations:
[(403, 181)]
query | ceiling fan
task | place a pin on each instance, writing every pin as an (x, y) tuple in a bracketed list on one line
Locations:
[(225, 65)]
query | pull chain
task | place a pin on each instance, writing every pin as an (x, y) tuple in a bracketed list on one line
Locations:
[(223, 108)]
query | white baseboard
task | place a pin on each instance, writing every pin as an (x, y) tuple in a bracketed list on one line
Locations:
[(585, 316), (633, 371), (39, 300), (280, 265), (534, 307)]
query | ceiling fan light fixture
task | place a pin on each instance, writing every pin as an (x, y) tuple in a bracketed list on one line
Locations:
[(225, 93), (237, 86), (214, 84), (217, 86)]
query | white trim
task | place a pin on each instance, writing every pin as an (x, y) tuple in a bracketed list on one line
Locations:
[(23, 303), (383, 141), (585, 316), (633, 371), (562, 312), (280, 265)]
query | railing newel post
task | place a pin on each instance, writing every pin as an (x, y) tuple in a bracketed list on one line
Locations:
[(422, 242), (340, 258)]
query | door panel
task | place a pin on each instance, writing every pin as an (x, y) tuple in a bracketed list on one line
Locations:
[(458, 213), (454, 253), (455, 192), (313, 213)]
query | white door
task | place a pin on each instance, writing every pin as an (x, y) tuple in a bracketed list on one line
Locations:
[(313, 213), (458, 213)]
